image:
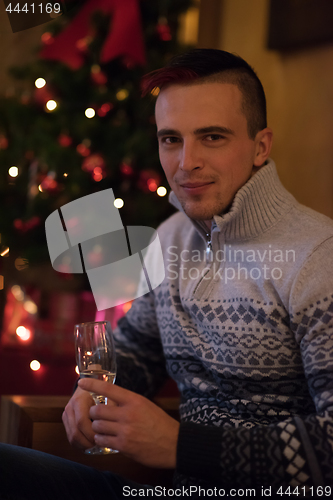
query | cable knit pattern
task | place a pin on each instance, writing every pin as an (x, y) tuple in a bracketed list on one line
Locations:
[(248, 337)]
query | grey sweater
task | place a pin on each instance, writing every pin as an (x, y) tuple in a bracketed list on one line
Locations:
[(243, 322)]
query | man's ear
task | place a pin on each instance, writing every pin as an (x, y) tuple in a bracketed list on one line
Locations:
[(263, 140)]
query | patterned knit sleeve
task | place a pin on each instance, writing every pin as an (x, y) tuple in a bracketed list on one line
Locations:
[(140, 358), (296, 452)]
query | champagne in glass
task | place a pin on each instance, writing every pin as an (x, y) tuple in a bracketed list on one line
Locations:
[(96, 358)]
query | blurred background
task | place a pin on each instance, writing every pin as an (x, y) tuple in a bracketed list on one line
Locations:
[(72, 123)]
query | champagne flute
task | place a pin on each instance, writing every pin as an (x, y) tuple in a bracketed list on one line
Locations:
[(96, 358)]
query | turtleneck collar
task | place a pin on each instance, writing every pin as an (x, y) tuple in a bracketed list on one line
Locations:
[(256, 207)]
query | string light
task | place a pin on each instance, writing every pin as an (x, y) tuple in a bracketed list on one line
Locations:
[(155, 91), (40, 83), (90, 113), (122, 94), (118, 203), (17, 292), (13, 171), (4, 251), (77, 370), (30, 307), (23, 333), (40, 188), (65, 174), (35, 365), (161, 191), (51, 105)]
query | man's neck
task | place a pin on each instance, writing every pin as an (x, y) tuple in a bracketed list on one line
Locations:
[(254, 171)]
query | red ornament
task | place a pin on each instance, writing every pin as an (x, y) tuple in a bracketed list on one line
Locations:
[(104, 109), (23, 227), (33, 222), (94, 163), (3, 142), (126, 169), (43, 95), (25, 98), (152, 185), (83, 44), (83, 150), (65, 140), (163, 30), (47, 38), (98, 174), (148, 179), (18, 224), (98, 76), (49, 183)]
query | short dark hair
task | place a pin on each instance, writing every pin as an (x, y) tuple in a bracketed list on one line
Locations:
[(210, 65)]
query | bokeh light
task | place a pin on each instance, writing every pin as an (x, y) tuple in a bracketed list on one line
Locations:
[(13, 171), (90, 113), (35, 365), (118, 203), (122, 94), (161, 191), (23, 333), (40, 83), (51, 105)]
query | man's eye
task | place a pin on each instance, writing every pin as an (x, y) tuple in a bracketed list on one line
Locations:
[(169, 140), (214, 137)]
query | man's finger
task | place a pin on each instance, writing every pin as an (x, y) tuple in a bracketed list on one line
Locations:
[(75, 435), (106, 412), (106, 427), (114, 392)]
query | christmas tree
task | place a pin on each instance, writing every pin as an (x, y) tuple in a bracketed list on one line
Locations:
[(81, 125)]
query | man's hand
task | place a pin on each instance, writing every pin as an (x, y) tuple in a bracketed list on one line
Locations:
[(134, 425), (77, 421)]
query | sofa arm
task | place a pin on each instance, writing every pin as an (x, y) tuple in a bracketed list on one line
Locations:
[(35, 422)]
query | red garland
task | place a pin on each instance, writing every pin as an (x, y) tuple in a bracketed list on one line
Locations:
[(124, 39)]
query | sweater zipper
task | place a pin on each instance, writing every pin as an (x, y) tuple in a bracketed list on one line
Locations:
[(209, 248), (209, 258)]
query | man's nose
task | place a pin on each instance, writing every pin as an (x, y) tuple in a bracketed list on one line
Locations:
[(190, 158)]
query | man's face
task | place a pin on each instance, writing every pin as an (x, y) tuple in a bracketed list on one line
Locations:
[(204, 147)]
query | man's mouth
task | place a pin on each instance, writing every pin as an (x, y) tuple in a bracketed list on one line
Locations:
[(195, 187)]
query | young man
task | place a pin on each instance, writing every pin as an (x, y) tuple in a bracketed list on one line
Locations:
[(244, 318)]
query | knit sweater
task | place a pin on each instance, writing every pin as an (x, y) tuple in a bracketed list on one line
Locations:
[(243, 322)]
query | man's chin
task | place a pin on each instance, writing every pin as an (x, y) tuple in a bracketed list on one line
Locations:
[(198, 215)]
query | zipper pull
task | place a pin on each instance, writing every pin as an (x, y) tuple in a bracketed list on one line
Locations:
[(209, 249)]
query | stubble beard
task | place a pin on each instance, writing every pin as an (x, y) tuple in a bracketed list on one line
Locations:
[(202, 212)]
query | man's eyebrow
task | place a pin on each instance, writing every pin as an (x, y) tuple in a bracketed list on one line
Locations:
[(214, 129), (167, 131)]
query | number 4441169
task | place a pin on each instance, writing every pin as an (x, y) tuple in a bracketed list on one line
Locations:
[(310, 491), (31, 7)]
